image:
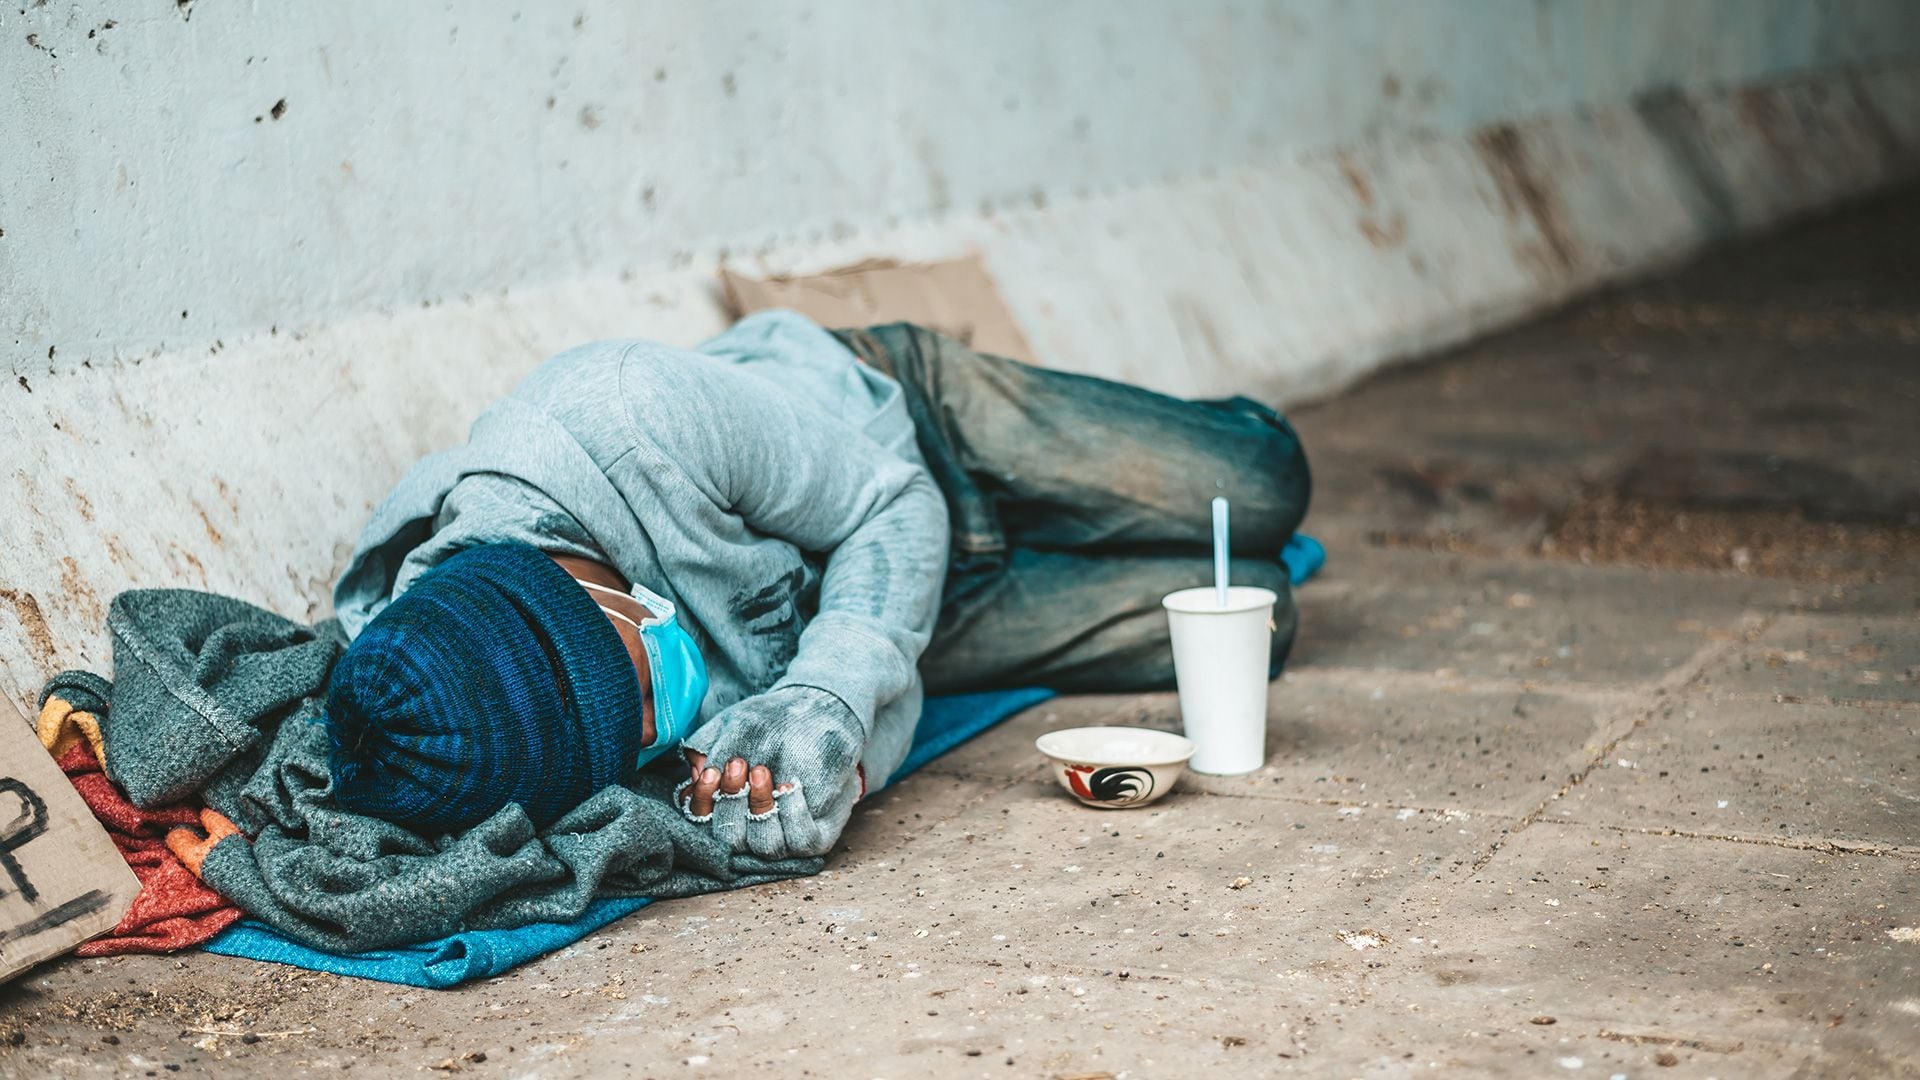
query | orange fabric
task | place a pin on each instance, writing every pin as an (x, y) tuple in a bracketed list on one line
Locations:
[(61, 727), (174, 909), (191, 848)]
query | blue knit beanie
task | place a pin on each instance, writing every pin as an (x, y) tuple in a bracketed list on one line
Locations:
[(493, 679)]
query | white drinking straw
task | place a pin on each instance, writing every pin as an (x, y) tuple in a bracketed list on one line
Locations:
[(1220, 550)]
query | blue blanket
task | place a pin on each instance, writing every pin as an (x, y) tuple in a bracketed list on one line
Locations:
[(945, 723)]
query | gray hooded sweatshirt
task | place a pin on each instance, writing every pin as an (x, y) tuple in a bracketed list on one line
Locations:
[(768, 484)]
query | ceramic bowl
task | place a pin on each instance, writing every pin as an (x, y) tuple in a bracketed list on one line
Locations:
[(1116, 767)]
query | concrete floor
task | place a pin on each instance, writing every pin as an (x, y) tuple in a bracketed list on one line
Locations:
[(1597, 758)]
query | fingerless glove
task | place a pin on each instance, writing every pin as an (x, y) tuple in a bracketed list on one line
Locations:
[(812, 743)]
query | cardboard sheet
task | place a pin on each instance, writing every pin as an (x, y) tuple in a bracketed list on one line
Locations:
[(61, 879), (956, 297)]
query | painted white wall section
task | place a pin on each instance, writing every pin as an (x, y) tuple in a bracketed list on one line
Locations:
[(424, 152), (226, 336)]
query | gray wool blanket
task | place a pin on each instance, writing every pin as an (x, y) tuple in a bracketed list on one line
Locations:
[(215, 699)]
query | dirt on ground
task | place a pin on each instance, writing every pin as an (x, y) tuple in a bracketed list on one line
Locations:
[(1607, 528), (1595, 757), (1768, 543)]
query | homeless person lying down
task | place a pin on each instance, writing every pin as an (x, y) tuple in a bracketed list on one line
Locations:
[(751, 560)]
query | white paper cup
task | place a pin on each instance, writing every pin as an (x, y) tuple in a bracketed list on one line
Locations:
[(1220, 658)]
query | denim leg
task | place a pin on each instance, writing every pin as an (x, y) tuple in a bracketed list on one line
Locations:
[(1075, 621), (1076, 504), (1050, 459)]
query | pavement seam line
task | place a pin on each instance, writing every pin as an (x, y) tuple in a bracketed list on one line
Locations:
[(1780, 698), (1670, 1040), (1793, 843), (1356, 804), (1675, 681), (1399, 679)]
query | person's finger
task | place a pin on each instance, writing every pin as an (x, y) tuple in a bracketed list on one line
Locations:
[(695, 762), (735, 777), (759, 790), (700, 801)]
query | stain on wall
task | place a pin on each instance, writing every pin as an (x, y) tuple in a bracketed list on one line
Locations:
[(1527, 192)]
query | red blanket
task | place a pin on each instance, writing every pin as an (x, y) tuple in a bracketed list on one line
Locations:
[(174, 909)]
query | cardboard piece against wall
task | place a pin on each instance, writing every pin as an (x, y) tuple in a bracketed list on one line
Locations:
[(956, 297), (61, 879)]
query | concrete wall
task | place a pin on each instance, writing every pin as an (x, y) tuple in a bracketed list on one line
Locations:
[(177, 174), (254, 259)]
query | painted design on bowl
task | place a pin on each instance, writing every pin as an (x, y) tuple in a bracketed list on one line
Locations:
[(1117, 785)]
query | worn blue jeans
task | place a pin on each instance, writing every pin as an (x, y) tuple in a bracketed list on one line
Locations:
[(1077, 503)]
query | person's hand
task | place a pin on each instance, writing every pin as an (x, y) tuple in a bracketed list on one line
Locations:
[(791, 777), (708, 782)]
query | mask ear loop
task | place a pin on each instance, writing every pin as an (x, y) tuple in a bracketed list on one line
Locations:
[(625, 618), (666, 728), (662, 608)]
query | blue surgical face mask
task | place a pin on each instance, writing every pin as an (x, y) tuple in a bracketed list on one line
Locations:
[(679, 672)]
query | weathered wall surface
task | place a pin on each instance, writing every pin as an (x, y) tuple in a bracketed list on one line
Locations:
[(180, 173), (255, 259)]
